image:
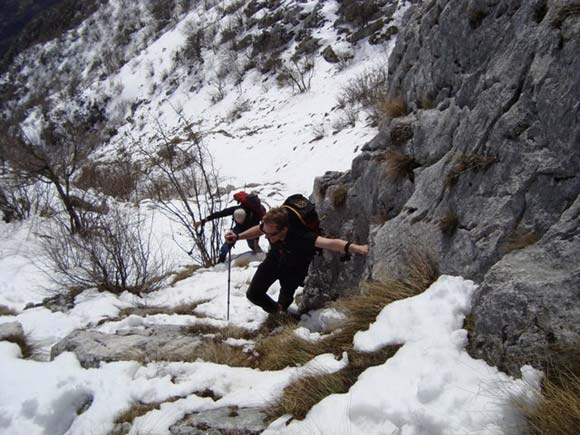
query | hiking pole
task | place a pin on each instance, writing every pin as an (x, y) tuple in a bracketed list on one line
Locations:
[(229, 280)]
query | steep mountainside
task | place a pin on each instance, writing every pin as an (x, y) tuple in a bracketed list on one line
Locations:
[(482, 170)]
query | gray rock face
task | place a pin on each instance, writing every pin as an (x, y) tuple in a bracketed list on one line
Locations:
[(530, 300), (492, 138), (160, 342), (230, 420)]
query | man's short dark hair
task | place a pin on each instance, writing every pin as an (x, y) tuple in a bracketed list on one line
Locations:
[(277, 216)]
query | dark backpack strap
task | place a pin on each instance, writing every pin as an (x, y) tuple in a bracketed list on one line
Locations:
[(298, 215)]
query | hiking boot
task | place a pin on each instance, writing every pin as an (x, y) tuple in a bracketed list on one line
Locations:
[(221, 259)]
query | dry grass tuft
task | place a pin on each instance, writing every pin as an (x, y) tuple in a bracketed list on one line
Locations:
[(519, 240), (221, 353), (137, 410), (285, 349), (229, 331), (244, 261), (183, 309), (360, 311), (339, 196), (23, 342), (556, 409), (421, 270), (448, 223), (400, 165), (467, 162), (392, 107), (401, 134), (565, 12), (5, 311), (299, 397), (184, 273)]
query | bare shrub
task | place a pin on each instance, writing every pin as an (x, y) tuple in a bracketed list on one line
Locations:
[(186, 187), (296, 73), (195, 42), (240, 107), (319, 131), (218, 88), (118, 179), (15, 201), (365, 90), (113, 254), (348, 118), (345, 58), (400, 165)]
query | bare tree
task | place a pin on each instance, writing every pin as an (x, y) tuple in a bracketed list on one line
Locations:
[(52, 153), (187, 188)]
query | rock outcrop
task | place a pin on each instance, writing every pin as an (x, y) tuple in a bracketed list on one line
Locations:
[(482, 171), (159, 342)]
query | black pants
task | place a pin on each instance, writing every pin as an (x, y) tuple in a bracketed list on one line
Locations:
[(268, 272)]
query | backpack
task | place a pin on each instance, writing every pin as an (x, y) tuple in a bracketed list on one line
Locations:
[(252, 202), (301, 209)]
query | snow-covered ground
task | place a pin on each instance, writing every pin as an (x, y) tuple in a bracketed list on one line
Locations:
[(431, 386)]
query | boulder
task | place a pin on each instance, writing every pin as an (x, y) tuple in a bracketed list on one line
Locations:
[(227, 420), (159, 342)]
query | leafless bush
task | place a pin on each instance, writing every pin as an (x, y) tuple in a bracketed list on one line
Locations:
[(348, 119), (345, 58), (319, 131), (297, 74), (118, 179), (15, 201), (240, 107), (365, 90), (186, 188), (218, 84), (195, 41), (113, 254)]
